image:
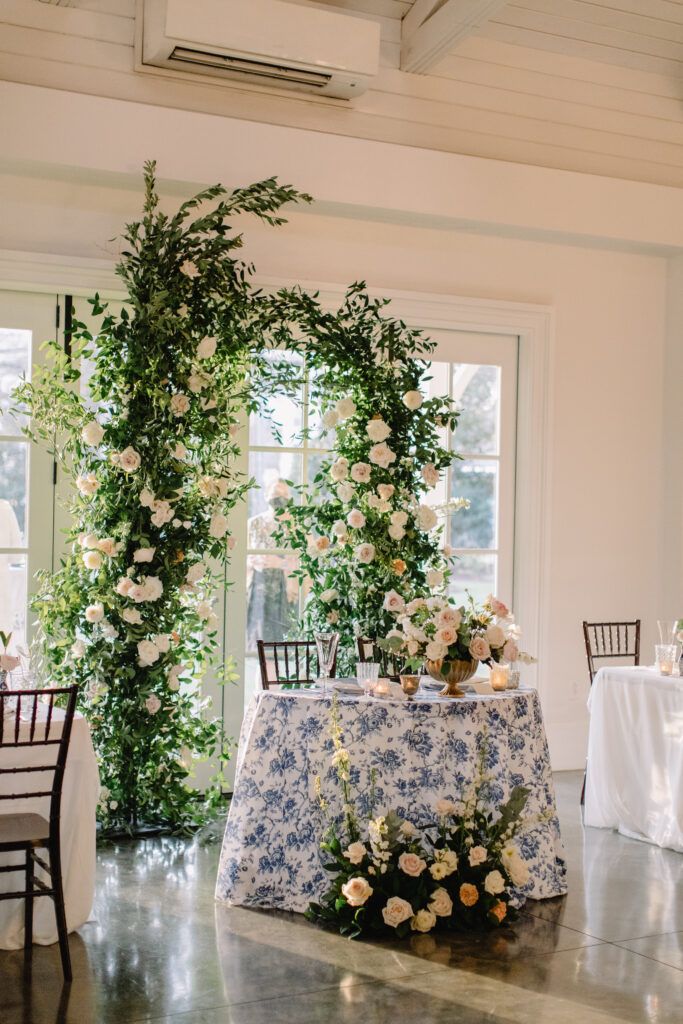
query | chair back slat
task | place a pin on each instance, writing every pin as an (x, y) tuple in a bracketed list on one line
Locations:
[(281, 662), (31, 729), (611, 640)]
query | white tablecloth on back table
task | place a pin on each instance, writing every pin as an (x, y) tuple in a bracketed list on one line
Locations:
[(420, 751), (80, 793), (635, 755)]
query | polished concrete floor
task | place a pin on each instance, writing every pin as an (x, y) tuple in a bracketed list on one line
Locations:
[(159, 949)]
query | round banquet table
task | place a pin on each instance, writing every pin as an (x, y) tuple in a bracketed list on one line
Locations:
[(80, 792), (420, 751)]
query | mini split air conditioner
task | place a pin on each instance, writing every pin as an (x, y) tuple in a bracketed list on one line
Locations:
[(263, 41)]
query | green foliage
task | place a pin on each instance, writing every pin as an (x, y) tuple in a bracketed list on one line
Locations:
[(128, 615)]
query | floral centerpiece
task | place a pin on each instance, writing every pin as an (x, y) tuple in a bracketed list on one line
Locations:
[(452, 640), (392, 876)]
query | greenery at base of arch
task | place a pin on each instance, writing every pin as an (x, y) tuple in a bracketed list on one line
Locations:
[(151, 450)]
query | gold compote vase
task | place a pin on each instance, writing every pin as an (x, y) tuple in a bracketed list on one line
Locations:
[(457, 672)]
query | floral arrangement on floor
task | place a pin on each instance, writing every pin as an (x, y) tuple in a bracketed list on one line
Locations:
[(432, 628), (150, 451), (365, 526), (393, 877)]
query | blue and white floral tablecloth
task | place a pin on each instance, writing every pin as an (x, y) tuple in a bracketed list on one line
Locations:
[(421, 750)]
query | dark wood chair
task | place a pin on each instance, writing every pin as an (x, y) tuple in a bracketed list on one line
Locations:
[(610, 641), (27, 719), (293, 662), (389, 664)]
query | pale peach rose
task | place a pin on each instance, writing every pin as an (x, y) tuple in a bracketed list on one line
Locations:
[(143, 554), (321, 543), (333, 617), (423, 921), (440, 903), (385, 491), (430, 474), (360, 472), (469, 894), (218, 525), (446, 635), (477, 855), (131, 615), (94, 612), (206, 348), (426, 518), (355, 853), (330, 419), (396, 532), (357, 891), (180, 404), (107, 546), (356, 519), (92, 433), (396, 911), (148, 653), (434, 578), (479, 649), (393, 602), (415, 605), (346, 408), (124, 586), (129, 460), (378, 430), (381, 455), (153, 704), (399, 566), (448, 617), (92, 559), (339, 470), (413, 400), (345, 492), (411, 864), (399, 517), (495, 637), (87, 485), (365, 553), (444, 807)]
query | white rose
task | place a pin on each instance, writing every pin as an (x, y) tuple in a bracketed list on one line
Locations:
[(435, 604), (87, 485), (378, 430), (440, 903), (426, 518), (204, 610), (162, 642), (218, 526), (146, 498), (339, 470), (356, 519), (153, 704), (399, 518), (365, 553), (131, 615), (495, 636), (444, 807), (396, 532), (180, 404), (413, 400), (143, 554), (173, 684), (435, 650), (494, 883), (393, 602), (124, 586), (92, 559), (339, 527), (329, 595), (381, 455), (129, 460), (94, 612), (430, 474), (92, 433), (448, 617), (206, 348), (408, 829), (423, 921), (360, 472), (189, 268), (415, 605), (196, 382), (434, 578), (148, 652), (150, 590), (355, 853), (477, 855), (107, 546), (396, 911), (78, 649), (357, 891), (385, 491), (516, 869), (346, 408), (88, 540), (330, 419), (345, 492), (196, 572)]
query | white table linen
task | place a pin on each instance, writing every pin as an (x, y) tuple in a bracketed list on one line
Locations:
[(420, 751), (80, 792), (634, 779)]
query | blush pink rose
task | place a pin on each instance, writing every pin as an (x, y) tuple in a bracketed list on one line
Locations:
[(511, 651), (357, 891), (497, 607), (479, 649), (411, 864)]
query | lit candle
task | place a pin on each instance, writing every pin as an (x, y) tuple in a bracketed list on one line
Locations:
[(499, 676), (666, 668), (382, 687)]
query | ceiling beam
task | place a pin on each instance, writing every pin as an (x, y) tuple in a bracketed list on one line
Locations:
[(431, 29)]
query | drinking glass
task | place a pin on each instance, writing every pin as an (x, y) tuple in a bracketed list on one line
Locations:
[(666, 656), (667, 630), (366, 674), (327, 649)]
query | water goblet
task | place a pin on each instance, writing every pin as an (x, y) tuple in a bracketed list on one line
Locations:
[(326, 644), (366, 674)]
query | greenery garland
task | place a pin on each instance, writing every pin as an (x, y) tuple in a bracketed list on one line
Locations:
[(128, 615), (365, 535)]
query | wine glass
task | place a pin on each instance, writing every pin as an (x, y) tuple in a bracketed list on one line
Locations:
[(366, 674), (326, 644)]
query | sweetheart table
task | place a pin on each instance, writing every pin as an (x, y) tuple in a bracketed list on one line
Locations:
[(634, 774), (419, 750), (80, 792)]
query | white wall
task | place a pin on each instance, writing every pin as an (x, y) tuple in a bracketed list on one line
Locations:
[(597, 251)]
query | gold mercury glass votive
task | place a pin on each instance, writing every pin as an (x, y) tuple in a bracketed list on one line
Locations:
[(499, 676), (409, 685)]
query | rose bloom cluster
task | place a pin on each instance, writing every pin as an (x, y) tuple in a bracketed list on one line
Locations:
[(433, 628)]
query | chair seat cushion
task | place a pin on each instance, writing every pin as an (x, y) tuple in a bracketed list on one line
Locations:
[(20, 828)]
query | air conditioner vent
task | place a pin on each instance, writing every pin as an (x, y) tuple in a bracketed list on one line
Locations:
[(264, 42)]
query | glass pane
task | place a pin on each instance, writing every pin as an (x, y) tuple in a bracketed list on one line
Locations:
[(475, 527), (476, 390), (275, 474), (252, 679), (15, 362), (13, 482), (13, 582), (476, 574), (313, 468), (283, 411), (272, 597)]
